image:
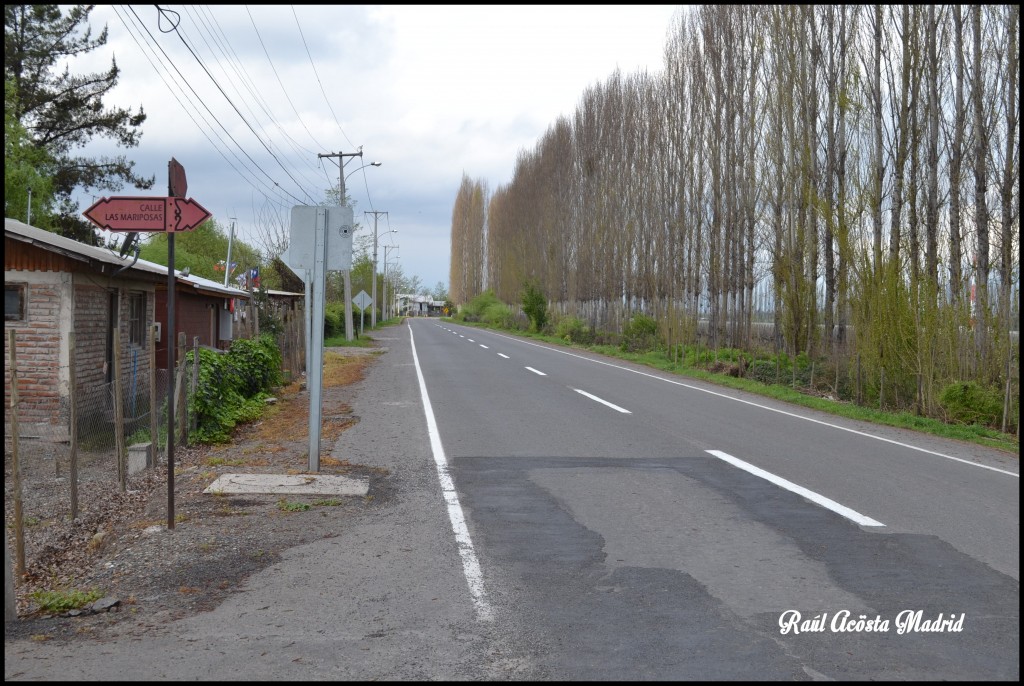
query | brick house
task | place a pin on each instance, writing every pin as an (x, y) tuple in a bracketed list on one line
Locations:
[(54, 286), (203, 309)]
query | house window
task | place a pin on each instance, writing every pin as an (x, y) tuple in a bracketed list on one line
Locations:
[(14, 302), (137, 318)]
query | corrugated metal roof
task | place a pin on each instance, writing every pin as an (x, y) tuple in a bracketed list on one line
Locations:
[(49, 240), (209, 285)]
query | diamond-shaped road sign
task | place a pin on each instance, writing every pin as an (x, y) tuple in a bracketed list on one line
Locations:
[(362, 300)]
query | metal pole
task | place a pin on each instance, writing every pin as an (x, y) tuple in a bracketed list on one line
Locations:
[(315, 369), (346, 275), (170, 382), (227, 267), (373, 287)]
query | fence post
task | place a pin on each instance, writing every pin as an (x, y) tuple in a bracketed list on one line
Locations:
[(192, 422), (301, 352), (179, 387), (122, 470), (153, 408), (19, 521), (73, 429)]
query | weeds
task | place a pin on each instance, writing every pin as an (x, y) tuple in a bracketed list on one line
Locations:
[(62, 601)]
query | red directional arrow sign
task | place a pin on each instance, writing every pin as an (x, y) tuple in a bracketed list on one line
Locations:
[(147, 214)]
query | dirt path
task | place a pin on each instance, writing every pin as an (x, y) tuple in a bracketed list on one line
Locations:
[(121, 547)]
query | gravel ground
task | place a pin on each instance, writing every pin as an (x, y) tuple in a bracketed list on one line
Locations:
[(120, 545)]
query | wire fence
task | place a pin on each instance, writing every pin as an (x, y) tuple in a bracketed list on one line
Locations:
[(73, 449)]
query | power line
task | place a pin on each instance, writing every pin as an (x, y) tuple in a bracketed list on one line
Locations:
[(172, 84), (320, 82), (174, 28)]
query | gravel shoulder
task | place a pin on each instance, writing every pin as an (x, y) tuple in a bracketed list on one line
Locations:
[(121, 547)]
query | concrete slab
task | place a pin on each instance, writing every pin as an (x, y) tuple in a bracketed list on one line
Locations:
[(292, 484)]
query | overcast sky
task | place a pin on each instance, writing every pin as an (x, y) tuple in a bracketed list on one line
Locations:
[(432, 92)]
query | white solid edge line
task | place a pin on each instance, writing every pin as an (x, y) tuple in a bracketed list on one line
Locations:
[(827, 503), (536, 371), (764, 407), (470, 566), (603, 402)]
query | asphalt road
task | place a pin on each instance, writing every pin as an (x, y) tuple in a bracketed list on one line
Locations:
[(653, 527), (555, 515)]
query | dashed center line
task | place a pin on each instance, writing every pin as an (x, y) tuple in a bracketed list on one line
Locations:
[(535, 371), (471, 340), (603, 402), (482, 345), (504, 355)]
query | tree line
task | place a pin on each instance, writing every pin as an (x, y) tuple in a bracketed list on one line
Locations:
[(848, 174)]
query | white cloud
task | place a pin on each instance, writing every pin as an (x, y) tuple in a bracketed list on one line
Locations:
[(431, 91)]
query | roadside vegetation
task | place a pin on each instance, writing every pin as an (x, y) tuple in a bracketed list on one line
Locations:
[(970, 412)]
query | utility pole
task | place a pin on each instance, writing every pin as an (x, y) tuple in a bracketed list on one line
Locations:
[(373, 288), (347, 273), (386, 302), (231, 238)]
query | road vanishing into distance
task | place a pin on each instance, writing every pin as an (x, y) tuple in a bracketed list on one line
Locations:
[(543, 513), (651, 527)]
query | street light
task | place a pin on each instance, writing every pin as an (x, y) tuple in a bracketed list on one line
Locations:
[(371, 164)]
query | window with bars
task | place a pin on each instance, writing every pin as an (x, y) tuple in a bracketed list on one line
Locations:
[(137, 319)]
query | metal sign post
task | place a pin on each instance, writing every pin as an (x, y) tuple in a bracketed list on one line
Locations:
[(320, 241), (157, 214), (362, 301), (315, 371)]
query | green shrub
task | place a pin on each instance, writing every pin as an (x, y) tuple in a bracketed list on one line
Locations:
[(573, 330), (232, 386), (497, 314), (535, 305), (333, 323), (765, 371), (474, 309), (968, 402), (640, 334)]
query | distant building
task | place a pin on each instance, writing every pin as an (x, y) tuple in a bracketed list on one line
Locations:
[(412, 305)]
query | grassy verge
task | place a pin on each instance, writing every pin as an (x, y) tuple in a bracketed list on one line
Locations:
[(972, 434), (364, 340)]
